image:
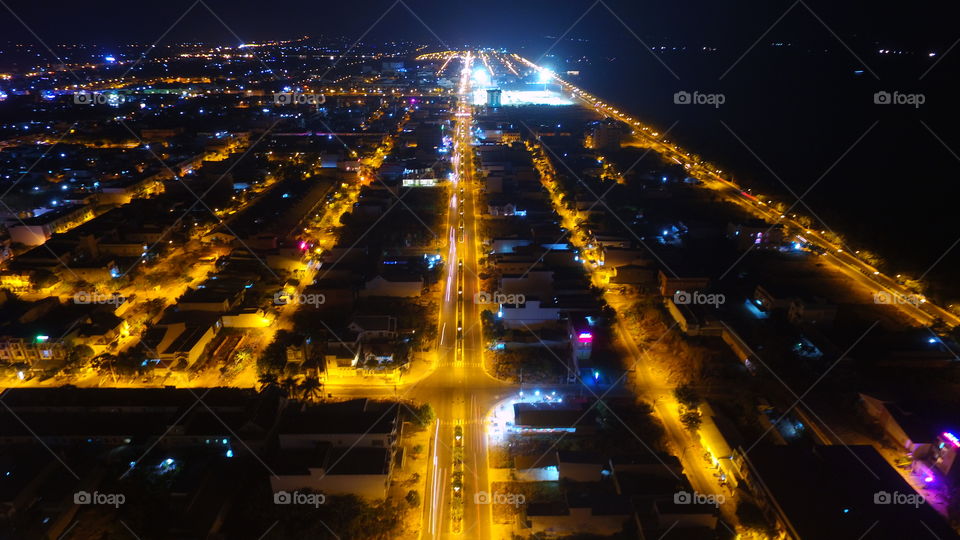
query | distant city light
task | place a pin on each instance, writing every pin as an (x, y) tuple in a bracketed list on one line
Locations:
[(546, 76), (481, 77), (523, 97)]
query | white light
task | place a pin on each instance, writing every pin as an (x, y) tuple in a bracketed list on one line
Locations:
[(481, 77)]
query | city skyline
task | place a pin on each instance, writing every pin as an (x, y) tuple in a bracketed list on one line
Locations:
[(596, 270)]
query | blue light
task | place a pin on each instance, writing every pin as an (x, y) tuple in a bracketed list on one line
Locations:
[(229, 453), (110, 59)]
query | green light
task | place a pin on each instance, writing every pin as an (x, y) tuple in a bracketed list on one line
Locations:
[(42, 339)]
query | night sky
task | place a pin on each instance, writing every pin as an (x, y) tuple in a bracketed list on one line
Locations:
[(481, 23)]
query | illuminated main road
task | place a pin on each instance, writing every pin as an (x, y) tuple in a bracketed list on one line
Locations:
[(459, 389)]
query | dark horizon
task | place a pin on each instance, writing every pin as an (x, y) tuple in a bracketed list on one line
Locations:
[(493, 23)]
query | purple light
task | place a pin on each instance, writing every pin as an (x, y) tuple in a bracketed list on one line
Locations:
[(952, 438), (928, 478), (585, 337)]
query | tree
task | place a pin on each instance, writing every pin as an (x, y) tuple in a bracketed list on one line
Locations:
[(687, 396), (751, 517), (289, 385), (422, 415), (268, 380), (83, 352), (310, 388), (413, 498), (691, 420), (129, 363), (492, 328), (44, 278), (76, 358), (274, 355)]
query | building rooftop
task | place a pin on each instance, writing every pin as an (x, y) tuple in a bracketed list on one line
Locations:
[(551, 415), (837, 492), (351, 417)]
